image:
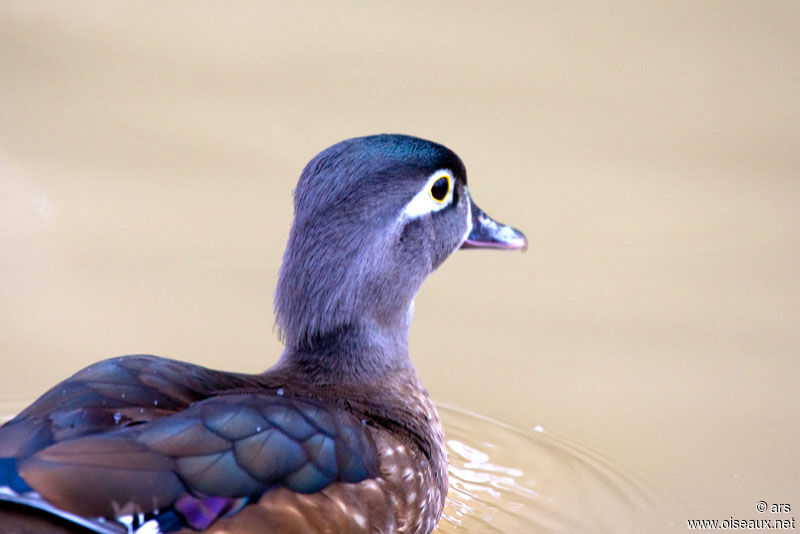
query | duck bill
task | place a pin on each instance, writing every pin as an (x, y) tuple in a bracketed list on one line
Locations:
[(488, 233)]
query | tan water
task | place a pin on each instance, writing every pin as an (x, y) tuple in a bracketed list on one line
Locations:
[(639, 365)]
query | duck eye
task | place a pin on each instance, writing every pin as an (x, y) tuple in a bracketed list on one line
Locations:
[(435, 195), (440, 188)]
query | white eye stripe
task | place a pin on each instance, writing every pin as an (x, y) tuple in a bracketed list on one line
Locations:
[(424, 203)]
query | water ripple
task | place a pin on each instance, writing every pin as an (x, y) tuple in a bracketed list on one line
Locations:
[(506, 479)]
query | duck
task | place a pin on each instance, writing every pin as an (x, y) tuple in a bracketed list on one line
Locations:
[(339, 436)]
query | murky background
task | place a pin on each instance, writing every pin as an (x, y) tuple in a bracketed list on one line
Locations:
[(640, 361)]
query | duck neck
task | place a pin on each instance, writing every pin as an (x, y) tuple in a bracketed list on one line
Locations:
[(355, 353)]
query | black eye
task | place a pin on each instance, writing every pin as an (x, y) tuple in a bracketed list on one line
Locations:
[(440, 188)]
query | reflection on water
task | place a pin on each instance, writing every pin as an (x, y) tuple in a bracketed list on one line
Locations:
[(507, 479)]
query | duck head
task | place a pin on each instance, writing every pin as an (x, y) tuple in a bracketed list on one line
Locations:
[(373, 217)]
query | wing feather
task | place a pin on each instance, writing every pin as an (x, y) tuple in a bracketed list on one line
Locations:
[(229, 446)]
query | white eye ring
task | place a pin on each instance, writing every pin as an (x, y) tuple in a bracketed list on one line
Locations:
[(424, 202)]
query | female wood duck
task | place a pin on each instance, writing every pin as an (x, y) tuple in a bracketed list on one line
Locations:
[(338, 436)]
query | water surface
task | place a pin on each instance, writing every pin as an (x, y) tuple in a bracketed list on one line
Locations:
[(650, 152)]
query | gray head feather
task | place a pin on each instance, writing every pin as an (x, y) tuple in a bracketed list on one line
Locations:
[(352, 261)]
